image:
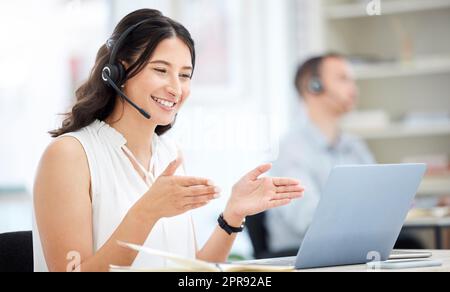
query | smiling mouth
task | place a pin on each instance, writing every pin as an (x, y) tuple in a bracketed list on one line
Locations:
[(165, 103)]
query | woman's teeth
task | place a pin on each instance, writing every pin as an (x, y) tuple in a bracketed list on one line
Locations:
[(164, 102)]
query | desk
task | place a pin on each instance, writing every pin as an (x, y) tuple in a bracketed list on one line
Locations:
[(443, 255), (438, 225)]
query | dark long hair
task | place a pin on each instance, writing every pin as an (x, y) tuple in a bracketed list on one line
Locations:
[(95, 99)]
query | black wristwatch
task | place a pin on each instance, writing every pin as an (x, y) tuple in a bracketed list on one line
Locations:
[(227, 228)]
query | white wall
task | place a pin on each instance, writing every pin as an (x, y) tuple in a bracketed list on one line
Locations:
[(39, 41)]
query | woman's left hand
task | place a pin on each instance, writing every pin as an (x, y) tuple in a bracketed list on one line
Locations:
[(252, 195)]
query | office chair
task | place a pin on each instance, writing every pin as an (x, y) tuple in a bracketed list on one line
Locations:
[(256, 228), (16, 252), (258, 234)]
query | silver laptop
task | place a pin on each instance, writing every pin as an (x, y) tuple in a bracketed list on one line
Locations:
[(359, 217)]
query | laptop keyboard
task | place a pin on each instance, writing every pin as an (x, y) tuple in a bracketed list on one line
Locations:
[(285, 262), (404, 254), (290, 261)]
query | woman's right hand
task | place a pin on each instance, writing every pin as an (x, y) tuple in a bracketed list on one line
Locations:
[(172, 195)]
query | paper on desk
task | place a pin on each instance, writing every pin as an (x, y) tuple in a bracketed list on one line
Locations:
[(193, 265), (185, 263)]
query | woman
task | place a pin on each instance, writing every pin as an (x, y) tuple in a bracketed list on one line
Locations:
[(111, 175)]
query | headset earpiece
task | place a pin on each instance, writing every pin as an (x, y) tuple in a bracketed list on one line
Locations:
[(315, 85), (116, 73)]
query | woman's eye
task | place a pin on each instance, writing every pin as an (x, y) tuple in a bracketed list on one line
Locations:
[(185, 76), (161, 70)]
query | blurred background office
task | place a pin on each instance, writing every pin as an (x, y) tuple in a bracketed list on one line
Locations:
[(243, 99)]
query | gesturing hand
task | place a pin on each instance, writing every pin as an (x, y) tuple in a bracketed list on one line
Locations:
[(172, 195), (252, 195)]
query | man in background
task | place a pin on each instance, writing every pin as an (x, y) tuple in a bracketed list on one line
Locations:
[(315, 145)]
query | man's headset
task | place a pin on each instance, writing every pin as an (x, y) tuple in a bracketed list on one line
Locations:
[(315, 85), (114, 73)]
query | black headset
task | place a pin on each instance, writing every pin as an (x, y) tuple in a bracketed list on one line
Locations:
[(315, 85), (114, 73)]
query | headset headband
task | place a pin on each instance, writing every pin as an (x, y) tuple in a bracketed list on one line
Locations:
[(118, 44)]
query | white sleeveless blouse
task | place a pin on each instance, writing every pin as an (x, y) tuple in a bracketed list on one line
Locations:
[(116, 186)]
